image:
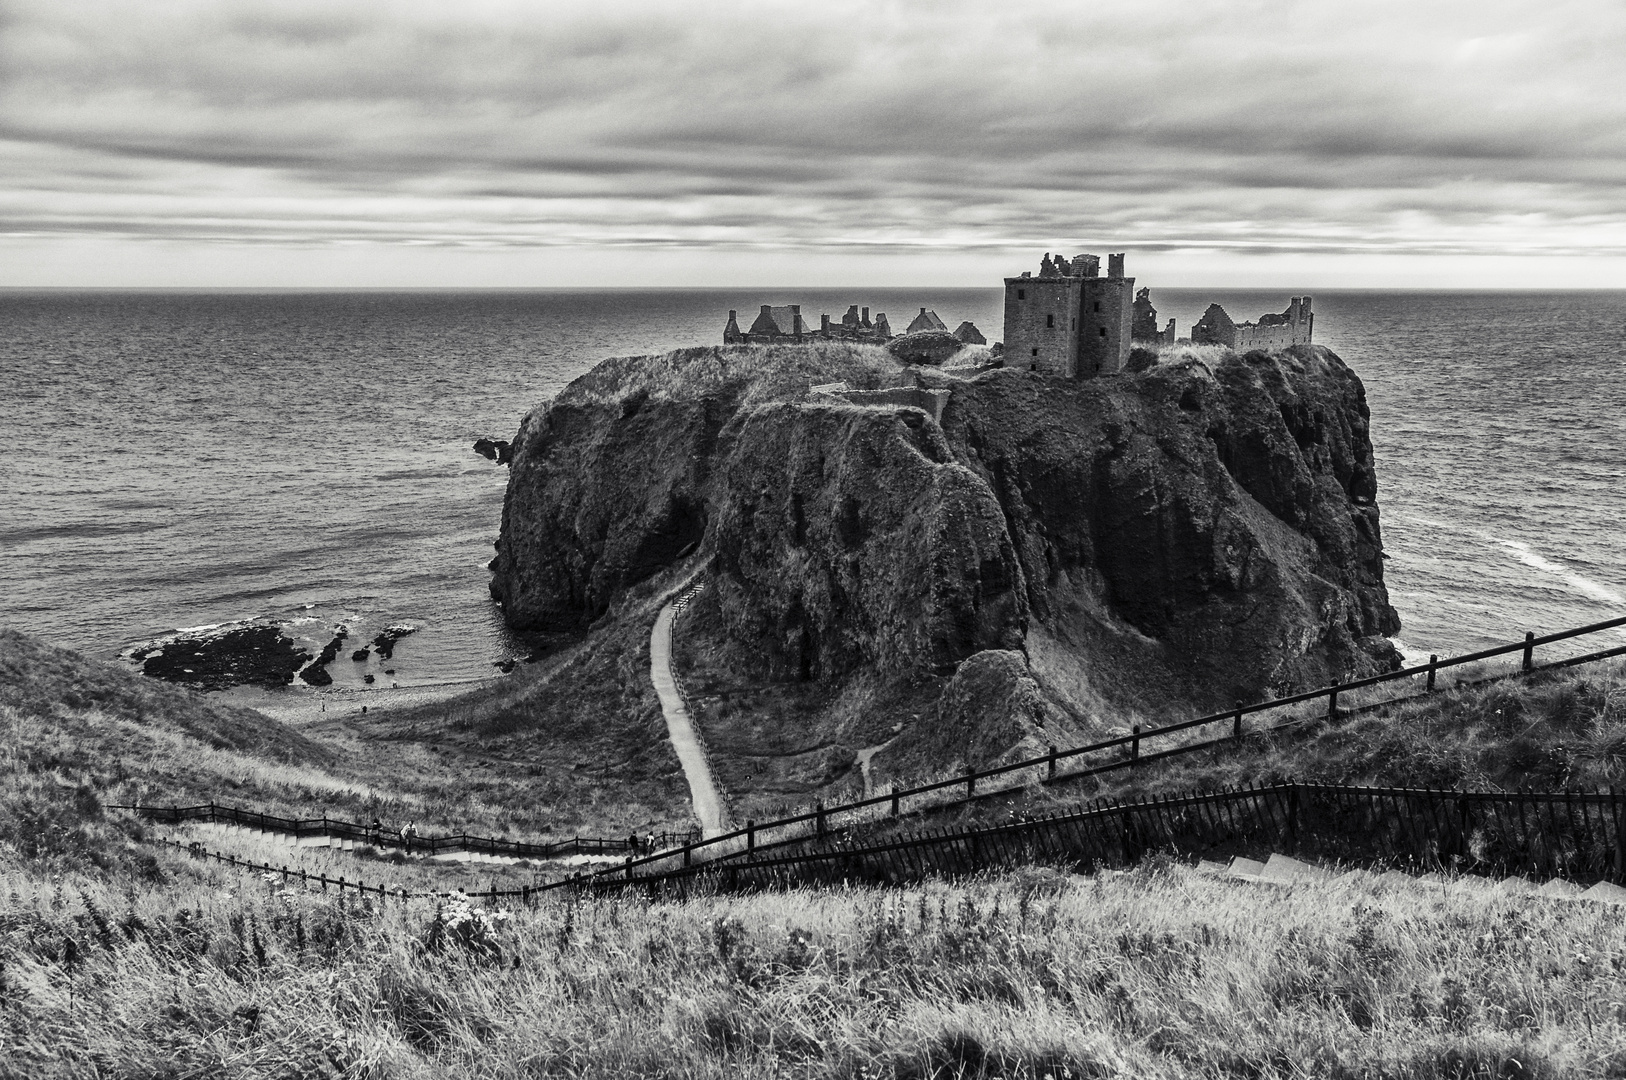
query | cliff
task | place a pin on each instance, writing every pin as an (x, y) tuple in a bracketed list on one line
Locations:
[(1175, 539)]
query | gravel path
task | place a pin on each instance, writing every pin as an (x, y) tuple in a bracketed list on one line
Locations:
[(708, 808)]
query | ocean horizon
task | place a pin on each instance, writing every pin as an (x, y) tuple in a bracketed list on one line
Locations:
[(183, 457)]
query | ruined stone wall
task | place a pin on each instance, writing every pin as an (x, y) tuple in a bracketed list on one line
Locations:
[(1250, 336), (1295, 326), (1041, 324), (931, 401)]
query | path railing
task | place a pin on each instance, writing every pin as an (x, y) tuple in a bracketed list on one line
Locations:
[(338, 829), (289, 877), (1574, 835), (1125, 751)]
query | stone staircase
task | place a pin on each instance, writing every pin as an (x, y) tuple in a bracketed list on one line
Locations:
[(1284, 870)]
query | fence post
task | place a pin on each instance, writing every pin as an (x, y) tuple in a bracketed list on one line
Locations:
[(1620, 835), (1052, 764), (629, 867), (1529, 648), (818, 818), (1293, 815), (1134, 743), (1332, 702), (750, 836), (1432, 661), (1236, 722), (686, 852), (896, 811), (970, 780)]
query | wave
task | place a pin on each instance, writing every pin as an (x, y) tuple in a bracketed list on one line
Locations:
[(1579, 582), (82, 531), (422, 474)]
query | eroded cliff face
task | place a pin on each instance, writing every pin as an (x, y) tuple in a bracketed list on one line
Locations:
[(1185, 535)]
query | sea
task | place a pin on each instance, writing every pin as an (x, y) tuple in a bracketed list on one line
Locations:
[(183, 459)]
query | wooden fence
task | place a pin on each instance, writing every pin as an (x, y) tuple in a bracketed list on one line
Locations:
[(308, 882), (754, 840), (419, 845), (1574, 835)]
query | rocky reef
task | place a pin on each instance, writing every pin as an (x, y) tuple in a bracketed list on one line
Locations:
[(1185, 536)]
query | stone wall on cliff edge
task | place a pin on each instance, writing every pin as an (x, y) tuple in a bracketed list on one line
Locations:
[(1187, 533)]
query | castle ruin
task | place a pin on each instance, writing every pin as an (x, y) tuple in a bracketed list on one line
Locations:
[(1291, 327), (1143, 327), (784, 325), (1069, 321)]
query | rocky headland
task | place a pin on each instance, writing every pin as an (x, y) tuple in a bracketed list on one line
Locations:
[(1041, 558)]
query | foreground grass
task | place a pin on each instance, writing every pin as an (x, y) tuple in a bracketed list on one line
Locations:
[(1160, 972)]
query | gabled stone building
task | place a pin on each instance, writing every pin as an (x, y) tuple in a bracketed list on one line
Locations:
[(1292, 327), (926, 320), (784, 325), (1069, 321), (774, 325)]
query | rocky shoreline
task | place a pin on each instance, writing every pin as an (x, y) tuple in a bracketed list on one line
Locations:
[(260, 653)]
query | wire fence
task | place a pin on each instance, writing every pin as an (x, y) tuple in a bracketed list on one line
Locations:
[(1574, 835), (754, 840), (289, 878), (383, 838)]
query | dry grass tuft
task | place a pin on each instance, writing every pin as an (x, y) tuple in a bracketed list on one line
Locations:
[(1159, 972)]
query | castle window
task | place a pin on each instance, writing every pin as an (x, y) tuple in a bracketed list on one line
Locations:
[(1021, 294), (1050, 320), (1072, 324), (1035, 352), (1098, 305), (1103, 331)]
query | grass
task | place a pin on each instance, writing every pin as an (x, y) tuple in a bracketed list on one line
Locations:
[(1159, 972), (75, 734), (749, 374)]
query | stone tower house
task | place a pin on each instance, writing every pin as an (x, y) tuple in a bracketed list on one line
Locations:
[(1069, 321)]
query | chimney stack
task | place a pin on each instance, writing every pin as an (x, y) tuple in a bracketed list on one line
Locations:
[(1115, 265)]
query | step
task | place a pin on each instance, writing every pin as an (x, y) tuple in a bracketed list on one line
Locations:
[(1284, 869), (1247, 869), (1208, 866), (1605, 893), (1516, 885), (1561, 889)]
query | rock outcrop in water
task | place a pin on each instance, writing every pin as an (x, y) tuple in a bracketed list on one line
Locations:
[(1189, 534), (215, 658)]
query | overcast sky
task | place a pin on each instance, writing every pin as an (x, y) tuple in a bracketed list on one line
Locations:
[(1274, 142)]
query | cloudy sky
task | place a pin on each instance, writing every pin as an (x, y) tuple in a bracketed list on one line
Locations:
[(477, 142)]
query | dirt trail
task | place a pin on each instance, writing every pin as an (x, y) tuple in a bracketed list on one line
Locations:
[(708, 807)]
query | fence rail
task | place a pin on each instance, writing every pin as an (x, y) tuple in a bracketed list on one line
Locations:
[(753, 838), (386, 838), (1575, 835), (312, 882)]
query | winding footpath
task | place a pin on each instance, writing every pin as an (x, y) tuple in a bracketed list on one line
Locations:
[(708, 807)]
